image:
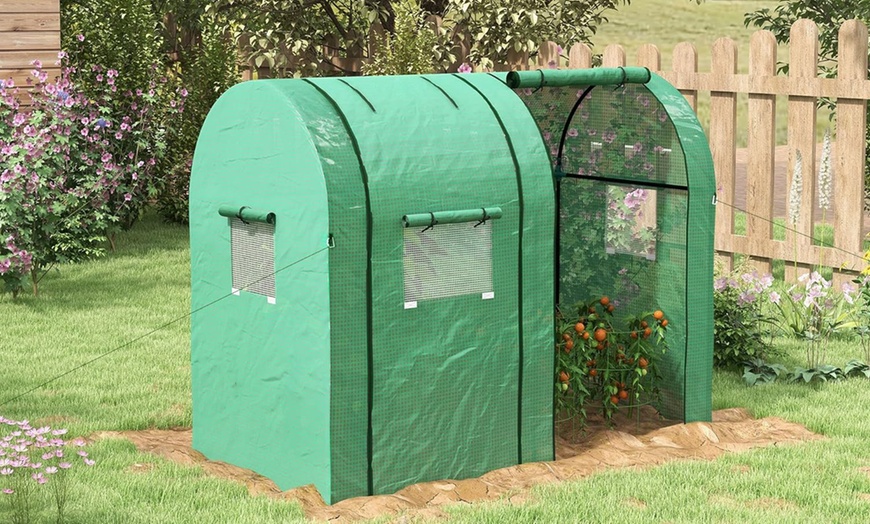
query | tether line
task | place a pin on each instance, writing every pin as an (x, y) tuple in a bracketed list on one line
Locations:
[(821, 243), (155, 330)]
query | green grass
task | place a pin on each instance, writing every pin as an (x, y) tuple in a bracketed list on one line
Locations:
[(667, 23), (84, 311), (90, 308)]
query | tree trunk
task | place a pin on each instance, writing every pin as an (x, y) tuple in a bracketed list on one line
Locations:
[(34, 280)]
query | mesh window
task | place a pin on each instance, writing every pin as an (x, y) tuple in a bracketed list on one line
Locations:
[(448, 260), (631, 221), (253, 247), (623, 208)]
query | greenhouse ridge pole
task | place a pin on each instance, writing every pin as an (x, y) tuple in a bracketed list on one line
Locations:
[(600, 76)]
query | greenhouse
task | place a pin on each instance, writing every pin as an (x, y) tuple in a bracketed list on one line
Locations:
[(383, 258)]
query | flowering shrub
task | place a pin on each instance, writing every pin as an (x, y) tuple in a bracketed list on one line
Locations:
[(31, 458), (71, 171), (605, 364), (14, 264), (814, 312), (739, 317)]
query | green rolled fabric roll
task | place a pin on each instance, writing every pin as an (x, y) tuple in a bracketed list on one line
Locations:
[(247, 214), (578, 77), (451, 217)]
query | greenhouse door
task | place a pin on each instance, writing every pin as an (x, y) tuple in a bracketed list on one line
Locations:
[(445, 358)]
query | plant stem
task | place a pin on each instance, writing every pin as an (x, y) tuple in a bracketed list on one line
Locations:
[(34, 280)]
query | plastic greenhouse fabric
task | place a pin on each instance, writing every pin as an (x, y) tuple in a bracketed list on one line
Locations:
[(409, 332)]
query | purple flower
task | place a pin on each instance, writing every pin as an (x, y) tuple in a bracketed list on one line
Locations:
[(465, 68), (573, 132), (7, 471), (81, 37), (774, 297), (746, 298), (635, 198), (89, 462), (51, 470), (64, 465), (127, 197), (608, 136), (8, 491)]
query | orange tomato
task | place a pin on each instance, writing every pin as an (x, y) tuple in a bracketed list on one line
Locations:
[(579, 327), (658, 315), (600, 334), (564, 377), (604, 301)]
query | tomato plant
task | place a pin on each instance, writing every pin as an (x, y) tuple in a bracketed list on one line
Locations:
[(616, 367)]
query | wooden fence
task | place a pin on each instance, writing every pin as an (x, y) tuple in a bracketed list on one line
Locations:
[(29, 30), (803, 88), (759, 89)]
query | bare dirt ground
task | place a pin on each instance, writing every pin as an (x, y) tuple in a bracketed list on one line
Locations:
[(641, 441)]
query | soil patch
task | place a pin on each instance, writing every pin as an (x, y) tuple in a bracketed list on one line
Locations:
[(640, 441)]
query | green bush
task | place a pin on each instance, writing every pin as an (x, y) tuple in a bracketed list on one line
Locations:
[(212, 69), (411, 49), (739, 317)]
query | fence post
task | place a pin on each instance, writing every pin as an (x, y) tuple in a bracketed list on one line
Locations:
[(803, 64), (548, 56), (614, 56), (649, 56), (850, 146), (723, 144), (686, 65), (579, 57), (762, 143)]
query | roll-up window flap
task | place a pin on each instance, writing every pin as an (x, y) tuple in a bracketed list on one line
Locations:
[(433, 218), (247, 214)]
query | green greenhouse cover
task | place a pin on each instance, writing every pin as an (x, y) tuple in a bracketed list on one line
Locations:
[(377, 258)]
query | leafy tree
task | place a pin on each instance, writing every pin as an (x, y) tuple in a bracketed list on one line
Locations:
[(828, 15), (289, 36), (410, 49)]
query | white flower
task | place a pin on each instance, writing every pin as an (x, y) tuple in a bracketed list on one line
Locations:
[(797, 187), (825, 173)]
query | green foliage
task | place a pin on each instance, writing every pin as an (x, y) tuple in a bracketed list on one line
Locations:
[(118, 34), (739, 318), (757, 371), (823, 373), (814, 312), (122, 36), (410, 49), (605, 363), (209, 69), (287, 36), (856, 368), (828, 15)]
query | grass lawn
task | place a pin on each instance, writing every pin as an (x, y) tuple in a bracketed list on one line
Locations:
[(90, 308), (667, 23)]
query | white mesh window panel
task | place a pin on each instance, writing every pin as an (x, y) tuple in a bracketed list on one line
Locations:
[(448, 260), (253, 246)]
